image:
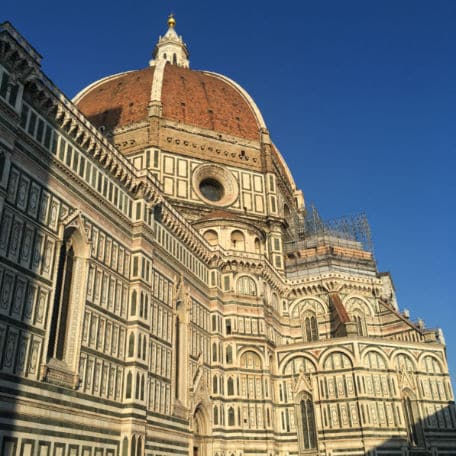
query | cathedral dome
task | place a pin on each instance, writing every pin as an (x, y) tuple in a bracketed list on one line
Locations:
[(167, 113), (197, 98)]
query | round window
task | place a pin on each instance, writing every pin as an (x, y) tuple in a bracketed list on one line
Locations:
[(215, 185), (211, 189)]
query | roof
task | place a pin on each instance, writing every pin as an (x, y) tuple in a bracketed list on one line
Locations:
[(205, 100)]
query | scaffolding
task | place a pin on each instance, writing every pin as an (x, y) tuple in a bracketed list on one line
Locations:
[(351, 231)]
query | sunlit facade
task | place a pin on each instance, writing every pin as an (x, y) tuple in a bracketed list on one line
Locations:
[(164, 290)]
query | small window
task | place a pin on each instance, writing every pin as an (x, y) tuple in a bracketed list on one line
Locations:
[(128, 386), (211, 237), (131, 345), (231, 416), (310, 328), (237, 240), (230, 387), (229, 354), (228, 326), (133, 302)]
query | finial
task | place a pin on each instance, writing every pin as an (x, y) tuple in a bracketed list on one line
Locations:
[(171, 21)]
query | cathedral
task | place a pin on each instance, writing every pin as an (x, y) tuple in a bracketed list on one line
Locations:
[(164, 290)]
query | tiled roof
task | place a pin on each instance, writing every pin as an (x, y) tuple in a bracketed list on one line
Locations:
[(191, 97), (119, 101)]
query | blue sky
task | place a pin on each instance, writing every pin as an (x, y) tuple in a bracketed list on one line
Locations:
[(360, 97)]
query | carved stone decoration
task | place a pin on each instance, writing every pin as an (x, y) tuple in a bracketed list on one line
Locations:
[(199, 392), (406, 379), (303, 382)]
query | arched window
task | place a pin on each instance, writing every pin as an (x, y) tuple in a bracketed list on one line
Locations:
[(310, 328), (412, 419), (133, 446), (229, 354), (141, 305), (237, 240), (139, 447), (228, 326), (360, 324), (230, 387), (131, 345), (211, 237), (139, 346), (246, 286), (231, 416), (62, 338), (125, 447), (257, 245), (133, 303), (215, 384), (144, 352), (138, 386), (174, 59), (306, 418), (216, 415), (128, 386), (250, 360)]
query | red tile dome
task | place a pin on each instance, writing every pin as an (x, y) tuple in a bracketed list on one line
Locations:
[(200, 99)]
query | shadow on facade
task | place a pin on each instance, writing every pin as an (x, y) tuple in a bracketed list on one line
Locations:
[(44, 157), (429, 436)]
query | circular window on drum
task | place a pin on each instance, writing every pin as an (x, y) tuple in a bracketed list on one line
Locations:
[(211, 189), (215, 185)]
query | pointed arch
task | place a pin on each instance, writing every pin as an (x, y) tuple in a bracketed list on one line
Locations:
[(305, 414), (229, 354), (131, 345), (309, 327), (69, 296), (133, 446), (125, 446), (230, 386), (139, 451), (412, 418), (231, 417), (216, 414)]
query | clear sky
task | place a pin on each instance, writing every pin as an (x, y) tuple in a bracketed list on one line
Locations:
[(359, 96)]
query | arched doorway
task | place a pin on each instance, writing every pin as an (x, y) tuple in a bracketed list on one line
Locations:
[(200, 432)]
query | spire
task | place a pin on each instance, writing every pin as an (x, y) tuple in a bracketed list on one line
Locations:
[(171, 47)]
